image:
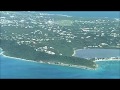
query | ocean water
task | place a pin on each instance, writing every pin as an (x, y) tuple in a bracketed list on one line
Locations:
[(110, 14), (19, 69)]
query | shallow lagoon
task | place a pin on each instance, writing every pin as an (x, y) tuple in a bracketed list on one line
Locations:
[(100, 53)]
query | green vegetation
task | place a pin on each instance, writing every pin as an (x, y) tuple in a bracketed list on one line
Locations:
[(23, 51), (36, 36)]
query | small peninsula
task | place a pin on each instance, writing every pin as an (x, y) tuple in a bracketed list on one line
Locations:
[(52, 39), (25, 52)]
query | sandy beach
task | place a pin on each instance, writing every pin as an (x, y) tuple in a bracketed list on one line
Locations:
[(107, 60), (17, 58), (75, 66), (61, 64), (76, 51)]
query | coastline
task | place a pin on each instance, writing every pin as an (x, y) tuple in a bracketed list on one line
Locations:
[(111, 59), (52, 63), (17, 58), (107, 60), (59, 63), (76, 51), (1, 51)]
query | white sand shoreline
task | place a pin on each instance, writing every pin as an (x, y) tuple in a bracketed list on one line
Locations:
[(61, 64), (17, 58), (107, 60), (76, 51)]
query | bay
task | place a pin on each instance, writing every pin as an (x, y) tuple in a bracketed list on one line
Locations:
[(99, 53)]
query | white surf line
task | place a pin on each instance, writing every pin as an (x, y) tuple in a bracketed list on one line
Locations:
[(107, 60), (76, 51), (62, 64)]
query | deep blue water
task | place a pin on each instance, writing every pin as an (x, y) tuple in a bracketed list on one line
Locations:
[(110, 14)]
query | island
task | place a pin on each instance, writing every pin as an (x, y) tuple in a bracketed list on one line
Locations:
[(52, 39)]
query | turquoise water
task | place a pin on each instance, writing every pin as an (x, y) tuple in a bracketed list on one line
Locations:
[(16, 69), (110, 14)]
